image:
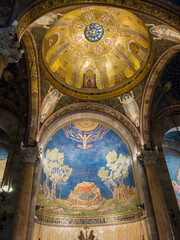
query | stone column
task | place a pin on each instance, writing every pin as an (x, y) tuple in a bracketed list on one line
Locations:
[(149, 158), (10, 51), (29, 156), (34, 195)]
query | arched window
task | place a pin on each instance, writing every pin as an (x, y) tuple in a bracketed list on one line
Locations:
[(171, 150), (4, 146), (3, 160)]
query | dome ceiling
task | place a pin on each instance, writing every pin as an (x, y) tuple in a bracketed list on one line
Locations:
[(96, 52)]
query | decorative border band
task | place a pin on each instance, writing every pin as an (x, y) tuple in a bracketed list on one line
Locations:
[(79, 222), (33, 68)]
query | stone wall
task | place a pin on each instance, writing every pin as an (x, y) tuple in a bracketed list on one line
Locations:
[(130, 231)]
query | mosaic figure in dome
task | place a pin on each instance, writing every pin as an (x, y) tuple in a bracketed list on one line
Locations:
[(98, 49), (78, 25), (131, 108), (89, 78), (109, 42), (49, 103), (46, 20), (164, 31)]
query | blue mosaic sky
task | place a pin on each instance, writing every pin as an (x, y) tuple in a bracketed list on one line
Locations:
[(87, 162)]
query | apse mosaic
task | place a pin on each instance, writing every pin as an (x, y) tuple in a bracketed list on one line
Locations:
[(171, 149), (3, 160), (94, 51), (87, 172)]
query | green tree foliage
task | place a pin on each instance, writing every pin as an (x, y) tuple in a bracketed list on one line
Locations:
[(117, 170), (55, 171)]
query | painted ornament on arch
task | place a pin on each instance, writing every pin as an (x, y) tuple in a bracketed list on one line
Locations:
[(164, 31), (49, 103), (130, 107)]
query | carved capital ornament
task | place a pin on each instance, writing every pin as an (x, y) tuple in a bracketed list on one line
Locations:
[(30, 154), (9, 47), (148, 157)]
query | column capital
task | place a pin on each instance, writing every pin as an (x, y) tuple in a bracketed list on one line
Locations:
[(30, 154), (9, 47), (148, 157)]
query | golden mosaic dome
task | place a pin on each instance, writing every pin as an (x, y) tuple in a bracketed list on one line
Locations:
[(95, 52)]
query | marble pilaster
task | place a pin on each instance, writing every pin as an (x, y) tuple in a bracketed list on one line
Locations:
[(148, 158), (29, 156)]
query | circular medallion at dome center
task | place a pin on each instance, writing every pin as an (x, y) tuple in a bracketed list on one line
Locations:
[(93, 32)]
